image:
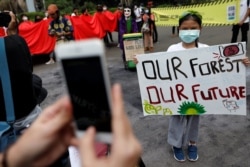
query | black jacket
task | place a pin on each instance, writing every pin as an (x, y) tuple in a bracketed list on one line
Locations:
[(20, 69)]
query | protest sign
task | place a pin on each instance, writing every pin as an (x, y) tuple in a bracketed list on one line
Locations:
[(210, 80), (133, 45)]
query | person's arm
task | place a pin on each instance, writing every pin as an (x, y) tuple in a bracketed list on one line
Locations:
[(68, 33), (12, 27), (46, 139), (245, 17)]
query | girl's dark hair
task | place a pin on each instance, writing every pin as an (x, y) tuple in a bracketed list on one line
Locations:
[(190, 14), (84, 9)]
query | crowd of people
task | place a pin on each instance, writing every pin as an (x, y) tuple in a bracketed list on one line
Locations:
[(51, 133), (101, 24)]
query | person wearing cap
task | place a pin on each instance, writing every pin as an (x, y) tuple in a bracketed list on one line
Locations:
[(60, 28)]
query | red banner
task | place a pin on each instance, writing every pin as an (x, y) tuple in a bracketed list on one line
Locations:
[(36, 35), (39, 42)]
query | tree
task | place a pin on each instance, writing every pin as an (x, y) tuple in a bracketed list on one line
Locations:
[(65, 6)]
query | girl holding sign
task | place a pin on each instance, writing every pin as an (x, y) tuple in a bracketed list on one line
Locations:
[(183, 130)]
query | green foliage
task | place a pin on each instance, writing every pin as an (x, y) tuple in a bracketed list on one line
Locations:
[(31, 15), (65, 6), (90, 6)]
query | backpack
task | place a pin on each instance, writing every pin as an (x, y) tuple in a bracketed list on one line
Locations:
[(7, 132)]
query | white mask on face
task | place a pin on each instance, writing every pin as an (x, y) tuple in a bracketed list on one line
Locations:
[(189, 36), (127, 12), (25, 18)]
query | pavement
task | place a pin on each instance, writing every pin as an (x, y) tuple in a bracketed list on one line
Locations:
[(224, 141)]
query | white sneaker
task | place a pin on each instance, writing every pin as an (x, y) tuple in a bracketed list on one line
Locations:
[(50, 62)]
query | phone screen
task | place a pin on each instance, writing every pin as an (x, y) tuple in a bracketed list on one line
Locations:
[(88, 94)]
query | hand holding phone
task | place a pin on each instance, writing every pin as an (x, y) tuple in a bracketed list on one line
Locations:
[(85, 72), (5, 18)]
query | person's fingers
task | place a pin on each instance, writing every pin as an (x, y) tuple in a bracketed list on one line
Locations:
[(87, 148), (246, 61), (53, 109), (57, 115), (125, 145), (62, 118), (120, 123)]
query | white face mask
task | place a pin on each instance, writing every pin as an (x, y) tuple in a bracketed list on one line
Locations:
[(189, 36), (104, 8), (25, 18)]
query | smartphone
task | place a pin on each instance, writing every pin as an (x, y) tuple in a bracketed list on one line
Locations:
[(4, 19), (85, 71)]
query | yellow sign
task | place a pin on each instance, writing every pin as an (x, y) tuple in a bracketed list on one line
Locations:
[(218, 13)]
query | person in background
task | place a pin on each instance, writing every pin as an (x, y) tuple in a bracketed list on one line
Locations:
[(38, 18), (127, 24), (11, 27), (173, 31), (175, 4), (24, 17), (85, 11), (118, 13), (138, 16), (141, 7), (243, 25), (75, 12), (147, 30), (60, 27), (46, 15), (109, 34), (52, 133), (26, 94)]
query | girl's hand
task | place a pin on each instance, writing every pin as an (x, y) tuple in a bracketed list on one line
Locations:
[(246, 61), (135, 60)]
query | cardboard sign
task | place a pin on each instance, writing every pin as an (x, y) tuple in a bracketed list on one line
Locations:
[(210, 80), (133, 45)]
